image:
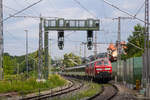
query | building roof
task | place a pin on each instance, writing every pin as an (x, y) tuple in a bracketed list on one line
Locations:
[(112, 46)]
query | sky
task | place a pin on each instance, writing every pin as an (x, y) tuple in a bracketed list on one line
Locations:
[(14, 28)]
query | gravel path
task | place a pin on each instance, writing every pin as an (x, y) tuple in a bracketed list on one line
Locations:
[(124, 93)]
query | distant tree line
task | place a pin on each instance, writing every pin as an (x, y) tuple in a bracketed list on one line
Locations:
[(15, 64)]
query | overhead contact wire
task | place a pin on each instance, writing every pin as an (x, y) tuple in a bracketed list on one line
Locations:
[(85, 8), (134, 17), (22, 10)]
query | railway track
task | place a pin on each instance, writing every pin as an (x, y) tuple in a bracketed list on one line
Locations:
[(76, 84), (107, 93), (110, 92)]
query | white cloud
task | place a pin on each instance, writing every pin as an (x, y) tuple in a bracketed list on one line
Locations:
[(22, 24)]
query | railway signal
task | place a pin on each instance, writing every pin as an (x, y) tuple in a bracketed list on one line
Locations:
[(61, 40), (89, 39)]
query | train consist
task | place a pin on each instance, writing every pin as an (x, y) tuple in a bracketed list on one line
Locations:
[(99, 67), (99, 70)]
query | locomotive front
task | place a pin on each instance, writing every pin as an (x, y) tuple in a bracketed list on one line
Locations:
[(103, 70)]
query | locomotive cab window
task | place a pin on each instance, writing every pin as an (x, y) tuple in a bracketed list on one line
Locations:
[(106, 63), (99, 63)]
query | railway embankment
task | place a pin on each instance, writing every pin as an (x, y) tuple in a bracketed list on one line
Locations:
[(16, 89)]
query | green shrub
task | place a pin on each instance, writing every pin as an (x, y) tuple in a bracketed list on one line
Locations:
[(13, 84)]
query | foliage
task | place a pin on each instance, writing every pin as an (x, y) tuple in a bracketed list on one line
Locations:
[(71, 60), (9, 64), (23, 86), (32, 61), (12, 64), (137, 38)]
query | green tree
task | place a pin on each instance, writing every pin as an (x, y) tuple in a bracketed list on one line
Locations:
[(137, 38), (71, 60), (9, 64)]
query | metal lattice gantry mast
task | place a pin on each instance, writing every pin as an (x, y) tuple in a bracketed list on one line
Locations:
[(95, 45), (40, 52), (46, 54), (1, 39), (26, 57), (50, 58), (119, 46), (146, 47), (62, 25), (84, 46)]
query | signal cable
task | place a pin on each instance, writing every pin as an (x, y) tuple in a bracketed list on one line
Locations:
[(28, 16), (14, 37), (125, 12), (32, 8), (85, 8), (136, 46), (21, 10), (10, 8), (139, 9), (20, 43)]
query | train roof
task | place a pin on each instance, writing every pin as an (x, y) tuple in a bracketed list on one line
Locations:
[(83, 66), (76, 67), (100, 59)]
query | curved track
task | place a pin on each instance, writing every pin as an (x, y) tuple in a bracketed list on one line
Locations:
[(108, 92), (76, 84)]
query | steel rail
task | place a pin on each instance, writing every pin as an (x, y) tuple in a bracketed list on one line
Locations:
[(56, 93)]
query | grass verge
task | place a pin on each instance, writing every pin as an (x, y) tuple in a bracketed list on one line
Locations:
[(88, 92), (30, 85)]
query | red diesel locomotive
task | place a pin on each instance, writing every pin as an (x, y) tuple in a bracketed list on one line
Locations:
[(98, 70)]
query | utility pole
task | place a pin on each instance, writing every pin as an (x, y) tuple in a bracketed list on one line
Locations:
[(17, 68), (1, 39), (84, 44), (146, 46), (76, 48), (95, 45), (49, 66), (80, 50), (46, 51), (40, 53), (119, 43), (85, 50), (27, 67)]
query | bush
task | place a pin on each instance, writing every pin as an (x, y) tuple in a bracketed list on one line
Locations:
[(13, 84)]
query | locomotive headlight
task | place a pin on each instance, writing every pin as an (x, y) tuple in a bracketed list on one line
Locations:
[(107, 68), (99, 69)]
